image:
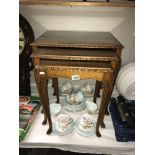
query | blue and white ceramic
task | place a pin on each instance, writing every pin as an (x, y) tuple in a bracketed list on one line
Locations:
[(91, 107), (75, 98), (63, 125), (87, 90), (85, 125), (66, 88), (55, 109)]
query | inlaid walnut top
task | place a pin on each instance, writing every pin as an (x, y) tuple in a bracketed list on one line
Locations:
[(77, 39), (76, 54)]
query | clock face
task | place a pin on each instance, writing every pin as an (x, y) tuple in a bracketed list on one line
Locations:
[(21, 41)]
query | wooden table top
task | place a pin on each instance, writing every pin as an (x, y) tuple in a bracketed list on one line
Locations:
[(87, 64), (75, 54), (77, 39)]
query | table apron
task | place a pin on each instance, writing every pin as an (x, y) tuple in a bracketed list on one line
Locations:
[(100, 76)]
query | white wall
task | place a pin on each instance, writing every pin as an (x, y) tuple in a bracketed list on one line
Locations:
[(119, 21)]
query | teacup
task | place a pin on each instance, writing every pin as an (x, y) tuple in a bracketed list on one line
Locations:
[(78, 97), (70, 98), (75, 98), (66, 86), (91, 107), (64, 120), (55, 109), (86, 121), (86, 88)]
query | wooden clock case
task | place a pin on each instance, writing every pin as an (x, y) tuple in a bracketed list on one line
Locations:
[(25, 62)]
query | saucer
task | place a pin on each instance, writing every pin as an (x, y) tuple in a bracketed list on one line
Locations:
[(86, 132), (62, 131), (74, 108)]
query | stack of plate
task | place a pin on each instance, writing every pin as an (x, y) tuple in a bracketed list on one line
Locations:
[(74, 108), (125, 81)]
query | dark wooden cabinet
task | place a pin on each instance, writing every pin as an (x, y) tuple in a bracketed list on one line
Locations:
[(25, 51)]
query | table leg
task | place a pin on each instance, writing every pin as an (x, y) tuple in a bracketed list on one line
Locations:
[(56, 88), (37, 83), (43, 93), (103, 107), (107, 89), (99, 88), (104, 102), (113, 79), (106, 111), (102, 110), (42, 111), (53, 85), (47, 106), (98, 123), (96, 90), (108, 99)]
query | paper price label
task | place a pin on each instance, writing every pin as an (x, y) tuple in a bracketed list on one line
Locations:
[(41, 72), (75, 77)]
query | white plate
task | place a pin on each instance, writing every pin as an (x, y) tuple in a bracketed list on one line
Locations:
[(126, 77), (126, 83), (120, 73), (130, 92), (123, 69), (129, 72)]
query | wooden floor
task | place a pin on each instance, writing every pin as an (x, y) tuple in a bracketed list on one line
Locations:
[(46, 151)]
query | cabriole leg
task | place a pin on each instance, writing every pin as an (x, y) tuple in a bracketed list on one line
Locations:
[(41, 100), (43, 93)]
